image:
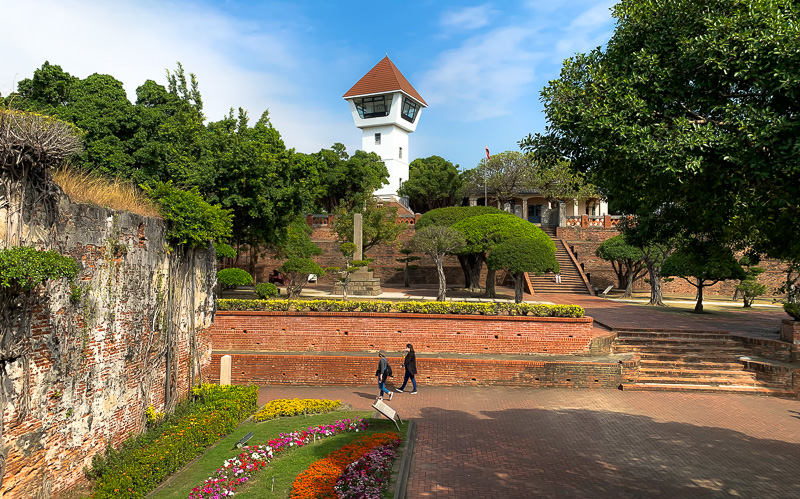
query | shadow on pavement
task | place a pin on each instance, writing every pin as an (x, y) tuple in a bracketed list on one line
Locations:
[(594, 454)]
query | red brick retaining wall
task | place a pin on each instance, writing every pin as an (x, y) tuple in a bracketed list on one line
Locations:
[(790, 332), (358, 332), (283, 369)]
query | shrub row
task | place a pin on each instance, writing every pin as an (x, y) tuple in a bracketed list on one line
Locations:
[(143, 462), (419, 307), (293, 407)]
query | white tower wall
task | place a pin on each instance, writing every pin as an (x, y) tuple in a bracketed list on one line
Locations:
[(393, 147)]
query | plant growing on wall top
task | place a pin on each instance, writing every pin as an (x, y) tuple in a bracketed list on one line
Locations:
[(192, 221), (31, 147)]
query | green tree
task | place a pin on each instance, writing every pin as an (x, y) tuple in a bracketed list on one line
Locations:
[(749, 288), (503, 176), (249, 171), (296, 272), (484, 232), (433, 183), (407, 264), (558, 181), (471, 263), (346, 181), (520, 255), (690, 111), (379, 224), (702, 264), (627, 261), (437, 242), (347, 250), (297, 243)]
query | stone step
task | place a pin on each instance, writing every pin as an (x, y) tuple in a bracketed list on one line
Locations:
[(690, 348), (673, 387), (696, 373), (698, 363), (671, 335), (717, 381)]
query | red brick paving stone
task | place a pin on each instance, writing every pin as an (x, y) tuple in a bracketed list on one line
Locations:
[(515, 442), (614, 314)]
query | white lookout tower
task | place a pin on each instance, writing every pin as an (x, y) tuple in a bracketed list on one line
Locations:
[(386, 108)]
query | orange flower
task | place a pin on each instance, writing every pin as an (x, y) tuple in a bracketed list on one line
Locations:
[(318, 480)]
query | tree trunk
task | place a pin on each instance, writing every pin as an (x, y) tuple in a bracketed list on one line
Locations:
[(490, 284), (628, 286), (475, 267), (407, 278), (656, 293), (253, 261), (698, 308), (442, 295), (519, 280), (462, 260)]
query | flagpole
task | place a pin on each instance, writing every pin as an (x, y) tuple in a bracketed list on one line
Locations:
[(485, 190)]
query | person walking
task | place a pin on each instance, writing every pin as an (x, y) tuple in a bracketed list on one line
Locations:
[(410, 364), (382, 373)]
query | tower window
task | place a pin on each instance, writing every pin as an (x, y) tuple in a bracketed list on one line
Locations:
[(377, 139), (373, 107), (400, 153), (410, 110)]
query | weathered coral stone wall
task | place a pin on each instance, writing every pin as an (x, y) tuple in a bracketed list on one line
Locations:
[(359, 332), (97, 363)]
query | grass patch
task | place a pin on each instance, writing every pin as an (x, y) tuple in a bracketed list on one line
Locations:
[(115, 193), (284, 468)]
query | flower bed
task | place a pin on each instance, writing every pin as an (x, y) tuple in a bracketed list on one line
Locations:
[(420, 307), (319, 480), (240, 468), (142, 463), (367, 477), (293, 407)]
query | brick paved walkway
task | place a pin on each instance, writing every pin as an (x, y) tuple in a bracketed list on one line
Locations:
[(518, 443), (764, 323)]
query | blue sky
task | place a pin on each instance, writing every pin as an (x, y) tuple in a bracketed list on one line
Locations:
[(479, 65)]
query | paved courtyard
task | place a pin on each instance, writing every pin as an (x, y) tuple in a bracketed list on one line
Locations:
[(515, 442)]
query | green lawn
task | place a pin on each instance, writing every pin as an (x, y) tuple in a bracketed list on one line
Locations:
[(284, 468)]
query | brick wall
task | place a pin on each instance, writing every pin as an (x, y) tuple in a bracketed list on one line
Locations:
[(586, 240), (300, 369), (96, 365), (359, 332), (790, 333)]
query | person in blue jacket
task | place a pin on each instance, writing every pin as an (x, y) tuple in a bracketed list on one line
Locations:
[(382, 374)]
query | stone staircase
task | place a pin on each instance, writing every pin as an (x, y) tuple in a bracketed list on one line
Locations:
[(695, 361), (571, 279)]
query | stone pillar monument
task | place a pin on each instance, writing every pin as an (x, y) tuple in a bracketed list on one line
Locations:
[(361, 281)]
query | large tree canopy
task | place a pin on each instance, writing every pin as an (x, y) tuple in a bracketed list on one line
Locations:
[(347, 181), (690, 113), (433, 183)]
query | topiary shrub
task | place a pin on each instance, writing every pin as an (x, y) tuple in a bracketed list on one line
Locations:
[(224, 250), (793, 309), (266, 290), (231, 278)]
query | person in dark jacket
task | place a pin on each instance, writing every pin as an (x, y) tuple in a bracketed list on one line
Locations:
[(382, 374), (410, 363)]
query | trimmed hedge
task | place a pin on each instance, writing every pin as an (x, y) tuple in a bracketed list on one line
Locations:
[(266, 290), (145, 461), (417, 307), (230, 278)]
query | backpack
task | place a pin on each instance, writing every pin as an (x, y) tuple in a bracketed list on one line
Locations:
[(389, 370)]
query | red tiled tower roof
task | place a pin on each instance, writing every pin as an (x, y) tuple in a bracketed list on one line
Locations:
[(384, 77)]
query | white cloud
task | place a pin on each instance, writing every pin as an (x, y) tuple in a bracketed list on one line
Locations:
[(468, 18), (237, 63), (484, 76), (589, 30)]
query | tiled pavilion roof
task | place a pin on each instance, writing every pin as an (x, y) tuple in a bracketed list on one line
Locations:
[(384, 77)]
